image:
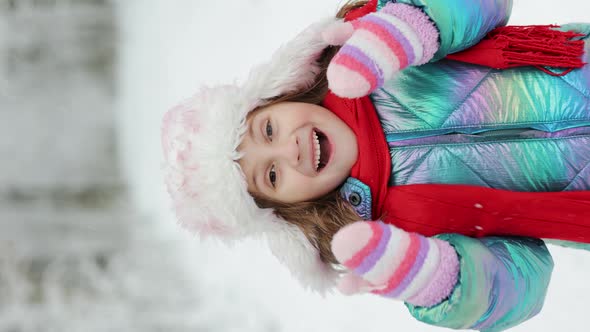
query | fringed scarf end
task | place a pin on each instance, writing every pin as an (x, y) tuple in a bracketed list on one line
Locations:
[(535, 45)]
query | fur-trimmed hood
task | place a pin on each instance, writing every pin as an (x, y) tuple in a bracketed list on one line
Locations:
[(200, 138)]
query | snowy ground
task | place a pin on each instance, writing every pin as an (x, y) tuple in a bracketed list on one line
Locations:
[(169, 48)]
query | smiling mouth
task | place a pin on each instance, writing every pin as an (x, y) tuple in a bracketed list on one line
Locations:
[(322, 149)]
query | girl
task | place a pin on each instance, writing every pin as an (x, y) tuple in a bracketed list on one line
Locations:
[(283, 157)]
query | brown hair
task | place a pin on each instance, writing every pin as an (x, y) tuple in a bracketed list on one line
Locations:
[(320, 219)]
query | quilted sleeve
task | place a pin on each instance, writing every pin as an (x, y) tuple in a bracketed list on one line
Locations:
[(461, 23), (502, 283)]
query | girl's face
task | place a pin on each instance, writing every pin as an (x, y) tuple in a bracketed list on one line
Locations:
[(296, 152)]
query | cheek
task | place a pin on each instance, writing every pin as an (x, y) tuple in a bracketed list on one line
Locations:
[(300, 116), (302, 186), (322, 184), (302, 182), (334, 178)]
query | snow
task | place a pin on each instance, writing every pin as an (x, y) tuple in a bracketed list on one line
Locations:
[(170, 47)]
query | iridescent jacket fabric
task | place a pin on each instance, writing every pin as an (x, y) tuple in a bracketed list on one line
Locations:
[(518, 129)]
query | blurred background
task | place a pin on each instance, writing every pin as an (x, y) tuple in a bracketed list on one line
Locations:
[(88, 242)]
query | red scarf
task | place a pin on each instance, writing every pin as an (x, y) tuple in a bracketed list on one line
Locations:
[(431, 209)]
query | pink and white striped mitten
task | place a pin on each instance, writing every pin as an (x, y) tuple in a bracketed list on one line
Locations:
[(378, 45), (388, 261)]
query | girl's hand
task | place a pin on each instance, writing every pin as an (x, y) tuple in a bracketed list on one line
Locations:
[(388, 261), (378, 45)]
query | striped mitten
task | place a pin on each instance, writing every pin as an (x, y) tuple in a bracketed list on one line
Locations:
[(378, 45), (388, 261)]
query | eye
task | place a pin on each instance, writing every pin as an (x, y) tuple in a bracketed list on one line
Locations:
[(272, 176), (269, 130)]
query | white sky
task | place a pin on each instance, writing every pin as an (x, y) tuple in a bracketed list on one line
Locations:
[(168, 49)]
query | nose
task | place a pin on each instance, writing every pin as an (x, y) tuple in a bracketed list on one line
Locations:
[(288, 150)]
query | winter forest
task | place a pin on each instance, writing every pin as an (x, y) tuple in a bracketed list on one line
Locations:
[(88, 242)]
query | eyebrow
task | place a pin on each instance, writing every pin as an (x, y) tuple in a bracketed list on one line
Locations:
[(254, 171), (251, 129), (255, 176)]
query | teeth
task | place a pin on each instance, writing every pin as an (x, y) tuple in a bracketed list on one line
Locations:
[(317, 150)]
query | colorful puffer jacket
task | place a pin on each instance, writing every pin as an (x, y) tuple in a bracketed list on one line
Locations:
[(518, 129)]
